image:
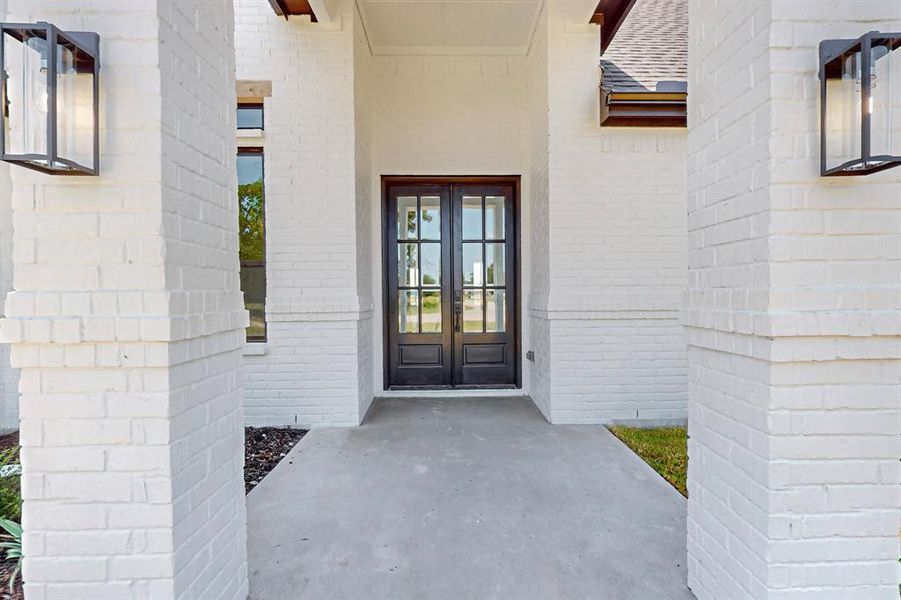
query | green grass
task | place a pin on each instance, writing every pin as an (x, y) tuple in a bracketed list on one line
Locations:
[(664, 448)]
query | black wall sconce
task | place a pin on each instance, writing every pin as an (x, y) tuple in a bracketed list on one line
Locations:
[(49, 90), (860, 104)]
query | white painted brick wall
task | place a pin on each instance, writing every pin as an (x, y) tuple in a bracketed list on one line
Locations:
[(365, 211), (317, 318), (793, 316), (617, 249), (127, 322), (446, 115), (536, 215), (9, 377), (606, 215)]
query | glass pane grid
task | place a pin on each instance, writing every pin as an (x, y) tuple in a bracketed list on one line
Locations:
[(419, 264)]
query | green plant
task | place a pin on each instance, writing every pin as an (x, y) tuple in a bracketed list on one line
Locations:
[(10, 488), (13, 547)]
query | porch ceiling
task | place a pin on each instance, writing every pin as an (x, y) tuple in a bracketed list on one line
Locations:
[(498, 27)]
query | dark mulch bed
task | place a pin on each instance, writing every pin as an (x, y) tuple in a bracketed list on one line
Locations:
[(264, 447), (9, 440), (6, 569)]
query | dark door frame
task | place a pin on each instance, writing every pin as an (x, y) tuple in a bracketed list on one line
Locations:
[(511, 180)]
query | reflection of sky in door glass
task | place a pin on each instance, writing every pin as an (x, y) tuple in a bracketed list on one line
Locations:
[(250, 168), (494, 217), (430, 217), (431, 264), (472, 217), (472, 264), (406, 217), (494, 257)]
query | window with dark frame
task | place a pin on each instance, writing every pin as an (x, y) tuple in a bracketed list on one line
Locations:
[(252, 243), (250, 115)]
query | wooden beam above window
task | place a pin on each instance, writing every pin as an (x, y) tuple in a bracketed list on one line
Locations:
[(252, 90), (287, 8), (643, 109), (610, 14)]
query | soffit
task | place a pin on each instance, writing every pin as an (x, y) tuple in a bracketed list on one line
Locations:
[(487, 27)]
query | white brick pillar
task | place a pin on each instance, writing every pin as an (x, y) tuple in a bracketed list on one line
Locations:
[(127, 321), (793, 317)]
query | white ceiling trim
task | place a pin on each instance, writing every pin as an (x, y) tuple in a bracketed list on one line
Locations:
[(462, 50)]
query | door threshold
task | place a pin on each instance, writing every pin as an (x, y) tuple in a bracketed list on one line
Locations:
[(449, 388)]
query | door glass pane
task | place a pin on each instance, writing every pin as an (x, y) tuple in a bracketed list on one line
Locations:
[(431, 312), (472, 217), (494, 217), (430, 217), (407, 228), (472, 263), (495, 313), (472, 311), (494, 270), (431, 264), (407, 265), (408, 311)]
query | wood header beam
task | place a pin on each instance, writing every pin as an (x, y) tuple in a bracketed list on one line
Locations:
[(287, 8), (610, 14)]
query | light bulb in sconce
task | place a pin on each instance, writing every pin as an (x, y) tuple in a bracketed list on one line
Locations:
[(852, 70), (40, 102)]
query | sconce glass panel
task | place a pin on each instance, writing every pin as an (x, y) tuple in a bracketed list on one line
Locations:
[(26, 103), (860, 115), (50, 99)]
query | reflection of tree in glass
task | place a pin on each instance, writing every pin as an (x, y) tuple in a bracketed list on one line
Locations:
[(250, 220), (411, 220), (428, 280)]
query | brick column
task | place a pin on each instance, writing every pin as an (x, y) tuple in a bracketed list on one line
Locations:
[(127, 321), (793, 319)]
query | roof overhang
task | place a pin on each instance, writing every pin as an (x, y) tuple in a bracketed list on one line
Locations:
[(610, 14), (644, 109), (287, 8)]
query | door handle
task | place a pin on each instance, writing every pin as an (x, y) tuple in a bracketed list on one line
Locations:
[(458, 309)]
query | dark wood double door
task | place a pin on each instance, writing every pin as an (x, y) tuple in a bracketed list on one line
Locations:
[(451, 289)]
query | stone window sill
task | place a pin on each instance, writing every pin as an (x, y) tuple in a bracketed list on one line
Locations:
[(255, 348)]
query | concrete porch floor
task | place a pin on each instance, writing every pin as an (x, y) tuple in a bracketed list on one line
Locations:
[(463, 499)]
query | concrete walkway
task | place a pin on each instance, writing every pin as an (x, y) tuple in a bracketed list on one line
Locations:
[(465, 499)]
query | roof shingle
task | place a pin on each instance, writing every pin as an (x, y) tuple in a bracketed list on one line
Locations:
[(651, 46)]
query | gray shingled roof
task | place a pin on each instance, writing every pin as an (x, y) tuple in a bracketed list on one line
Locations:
[(651, 46)]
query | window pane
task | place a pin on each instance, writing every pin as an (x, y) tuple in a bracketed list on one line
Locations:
[(495, 313), (431, 264), (252, 249), (250, 116), (494, 258), (408, 311), (407, 265), (472, 263), (431, 312), (253, 284), (250, 206), (472, 217), (494, 217), (406, 218), (430, 217), (472, 311)]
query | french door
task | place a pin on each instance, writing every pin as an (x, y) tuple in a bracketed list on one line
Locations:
[(451, 293)]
